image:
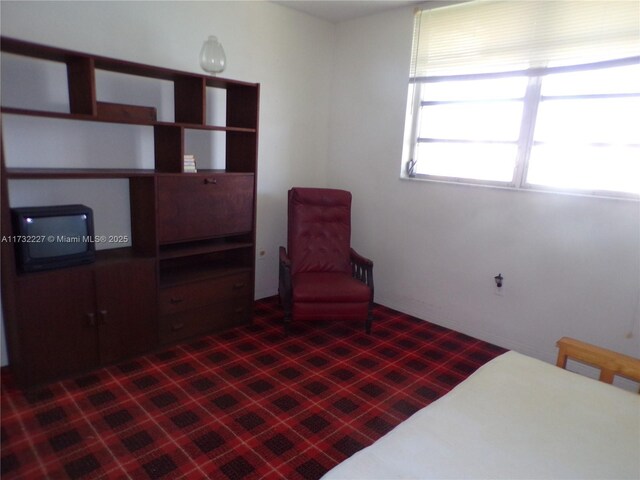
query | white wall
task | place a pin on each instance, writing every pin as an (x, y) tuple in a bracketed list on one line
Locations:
[(571, 264), (288, 53)]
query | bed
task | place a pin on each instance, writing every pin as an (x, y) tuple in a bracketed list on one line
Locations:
[(515, 418)]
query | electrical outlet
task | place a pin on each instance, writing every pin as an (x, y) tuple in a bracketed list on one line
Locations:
[(498, 287)]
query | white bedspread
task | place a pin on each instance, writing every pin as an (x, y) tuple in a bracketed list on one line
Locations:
[(514, 418)]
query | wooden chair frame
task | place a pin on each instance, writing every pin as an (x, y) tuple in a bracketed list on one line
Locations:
[(609, 363), (361, 269)]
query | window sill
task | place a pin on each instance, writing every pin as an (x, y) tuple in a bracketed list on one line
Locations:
[(629, 197)]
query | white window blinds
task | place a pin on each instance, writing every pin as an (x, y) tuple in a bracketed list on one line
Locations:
[(488, 36)]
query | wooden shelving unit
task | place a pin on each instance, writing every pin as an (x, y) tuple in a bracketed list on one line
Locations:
[(123, 118), (191, 266), (70, 173)]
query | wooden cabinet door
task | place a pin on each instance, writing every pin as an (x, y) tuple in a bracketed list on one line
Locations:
[(58, 333), (126, 308), (193, 207)]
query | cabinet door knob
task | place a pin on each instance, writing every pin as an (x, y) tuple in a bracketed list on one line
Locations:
[(103, 316), (210, 181), (173, 300), (91, 319), (177, 326)]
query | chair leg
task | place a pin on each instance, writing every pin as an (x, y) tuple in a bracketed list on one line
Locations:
[(287, 323)]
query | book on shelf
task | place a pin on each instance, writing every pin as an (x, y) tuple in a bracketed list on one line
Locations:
[(189, 164)]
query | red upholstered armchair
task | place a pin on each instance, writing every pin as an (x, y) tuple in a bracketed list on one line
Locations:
[(322, 277)]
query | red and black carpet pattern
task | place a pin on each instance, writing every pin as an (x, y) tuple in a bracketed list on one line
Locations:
[(251, 402)]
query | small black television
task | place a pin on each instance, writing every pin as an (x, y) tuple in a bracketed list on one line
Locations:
[(53, 237)]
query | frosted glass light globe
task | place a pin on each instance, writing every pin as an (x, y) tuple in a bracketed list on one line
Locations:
[(212, 57)]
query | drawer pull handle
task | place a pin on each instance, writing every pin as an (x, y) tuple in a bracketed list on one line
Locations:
[(103, 316), (210, 181), (239, 285), (176, 300), (177, 326)]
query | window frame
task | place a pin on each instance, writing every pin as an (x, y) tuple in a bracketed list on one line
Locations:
[(531, 100)]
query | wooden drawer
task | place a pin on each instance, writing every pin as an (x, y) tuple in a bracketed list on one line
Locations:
[(209, 318), (192, 207), (198, 294)]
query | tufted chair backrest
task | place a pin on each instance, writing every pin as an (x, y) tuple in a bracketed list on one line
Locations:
[(319, 230)]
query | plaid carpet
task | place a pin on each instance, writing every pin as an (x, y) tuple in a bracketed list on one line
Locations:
[(247, 403)]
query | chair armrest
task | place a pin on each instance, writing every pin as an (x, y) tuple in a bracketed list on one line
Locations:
[(284, 280), (609, 362), (360, 260), (284, 258), (362, 269)]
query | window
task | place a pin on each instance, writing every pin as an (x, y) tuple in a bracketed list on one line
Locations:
[(496, 98)]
